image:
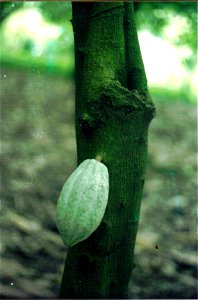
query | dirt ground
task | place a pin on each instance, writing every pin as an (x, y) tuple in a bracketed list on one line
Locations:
[(38, 153)]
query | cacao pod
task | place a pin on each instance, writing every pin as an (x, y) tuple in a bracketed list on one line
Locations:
[(82, 202)]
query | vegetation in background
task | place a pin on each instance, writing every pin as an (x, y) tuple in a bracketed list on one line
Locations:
[(57, 57), (160, 15)]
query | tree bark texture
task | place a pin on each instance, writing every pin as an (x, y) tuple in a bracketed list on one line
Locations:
[(113, 112)]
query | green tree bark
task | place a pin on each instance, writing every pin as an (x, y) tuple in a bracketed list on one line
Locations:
[(113, 112)]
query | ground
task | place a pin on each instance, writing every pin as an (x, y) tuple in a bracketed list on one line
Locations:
[(39, 153)]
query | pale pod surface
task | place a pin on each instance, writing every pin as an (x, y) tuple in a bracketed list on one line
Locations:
[(82, 202)]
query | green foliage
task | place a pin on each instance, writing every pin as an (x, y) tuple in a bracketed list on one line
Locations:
[(62, 66), (7, 8), (56, 56), (56, 12), (158, 15), (169, 95)]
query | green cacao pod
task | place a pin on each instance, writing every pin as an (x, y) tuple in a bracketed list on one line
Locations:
[(82, 202)]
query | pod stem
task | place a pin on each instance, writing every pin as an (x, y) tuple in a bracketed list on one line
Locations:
[(98, 158)]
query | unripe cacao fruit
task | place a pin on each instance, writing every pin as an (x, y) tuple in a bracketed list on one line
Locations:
[(82, 202)]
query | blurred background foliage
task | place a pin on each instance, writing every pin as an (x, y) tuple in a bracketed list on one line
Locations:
[(41, 32), (38, 149), (160, 15)]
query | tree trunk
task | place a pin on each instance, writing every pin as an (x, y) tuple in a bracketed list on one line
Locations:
[(113, 112)]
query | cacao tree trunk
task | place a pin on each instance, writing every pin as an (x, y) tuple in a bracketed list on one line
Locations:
[(113, 112)]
